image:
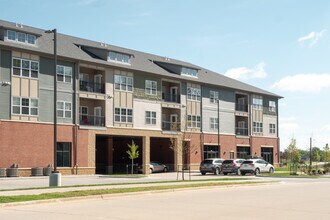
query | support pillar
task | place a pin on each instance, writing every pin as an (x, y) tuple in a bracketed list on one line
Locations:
[(146, 154), (178, 154), (109, 151)]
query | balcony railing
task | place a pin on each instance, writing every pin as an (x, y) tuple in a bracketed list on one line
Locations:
[(242, 131), (241, 107), (91, 87), (170, 97), (171, 126), (91, 120)]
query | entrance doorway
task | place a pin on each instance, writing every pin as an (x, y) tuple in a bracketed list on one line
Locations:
[(267, 154)]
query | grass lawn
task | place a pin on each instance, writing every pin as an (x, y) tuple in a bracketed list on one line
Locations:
[(287, 174), (56, 195)]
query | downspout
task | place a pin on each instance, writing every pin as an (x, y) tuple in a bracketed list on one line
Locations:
[(278, 135)]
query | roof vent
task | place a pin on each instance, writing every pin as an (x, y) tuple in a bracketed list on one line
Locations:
[(167, 59)]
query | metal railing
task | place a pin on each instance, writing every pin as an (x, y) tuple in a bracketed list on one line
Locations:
[(167, 97), (91, 87), (241, 107), (92, 120), (171, 126), (242, 131)]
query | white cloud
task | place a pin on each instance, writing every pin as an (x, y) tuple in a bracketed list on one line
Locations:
[(313, 37), (288, 127), (303, 83), (326, 128), (247, 73)]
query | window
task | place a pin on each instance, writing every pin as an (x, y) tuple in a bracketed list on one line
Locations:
[(194, 121), (211, 151), (123, 83), (214, 125), (151, 87), (188, 71), (243, 152), (257, 127), (119, 57), (21, 37), (64, 109), (193, 94), (257, 103), (214, 96), (64, 74), (272, 106), (150, 118), (83, 110), (63, 152), (123, 115), (272, 128), (25, 68), (25, 106)]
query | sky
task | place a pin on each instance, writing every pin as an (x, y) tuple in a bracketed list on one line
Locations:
[(282, 46)]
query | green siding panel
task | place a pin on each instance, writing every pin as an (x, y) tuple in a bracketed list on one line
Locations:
[(5, 75)]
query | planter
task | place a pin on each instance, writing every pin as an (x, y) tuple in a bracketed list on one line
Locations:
[(47, 171), (2, 172), (37, 171), (12, 172)]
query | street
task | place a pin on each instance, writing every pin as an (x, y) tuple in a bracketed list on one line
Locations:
[(299, 199)]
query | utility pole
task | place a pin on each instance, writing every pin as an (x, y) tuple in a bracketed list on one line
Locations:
[(310, 153)]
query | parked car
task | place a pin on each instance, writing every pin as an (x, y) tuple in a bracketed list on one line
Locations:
[(231, 166), (256, 166), (155, 167), (211, 166)]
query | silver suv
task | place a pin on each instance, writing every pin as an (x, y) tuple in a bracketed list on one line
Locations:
[(211, 166), (231, 166), (256, 166)]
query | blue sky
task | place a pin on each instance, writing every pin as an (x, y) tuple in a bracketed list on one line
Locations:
[(279, 45)]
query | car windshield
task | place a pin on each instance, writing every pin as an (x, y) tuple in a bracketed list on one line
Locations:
[(247, 162), (227, 162), (208, 161)]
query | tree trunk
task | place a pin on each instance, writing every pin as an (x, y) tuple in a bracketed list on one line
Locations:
[(132, 166)]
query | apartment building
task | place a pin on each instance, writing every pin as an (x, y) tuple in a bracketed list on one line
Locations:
[(177, 112)]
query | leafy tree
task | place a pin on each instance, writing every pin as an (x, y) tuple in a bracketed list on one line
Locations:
[(316, 154), (326, 151), (133, 153), (292, 153)]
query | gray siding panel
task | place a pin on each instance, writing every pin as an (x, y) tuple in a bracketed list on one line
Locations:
[(46, 77), (46, 105), (227, 99), (5, 75)]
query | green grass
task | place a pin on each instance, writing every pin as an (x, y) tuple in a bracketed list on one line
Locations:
[(285, 168), (133, 183), (82, 193), (287, 175)]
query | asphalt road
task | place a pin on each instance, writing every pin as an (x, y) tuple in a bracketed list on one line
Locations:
[(285, 200)]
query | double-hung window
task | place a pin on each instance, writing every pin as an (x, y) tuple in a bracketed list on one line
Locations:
[(257, 127), (21, 37), (272, 129), (123, 83), (64, 74), (257, 103), (64, 109), (119, 57), (25, 106), (272, 106), (63, 152), (151, 87), (25, 68), (193, 94), (150, 118), (214, 96), (214, 123), (123, 115), (194, 121)]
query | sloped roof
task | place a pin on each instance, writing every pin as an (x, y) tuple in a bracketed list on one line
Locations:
[(70, 47)]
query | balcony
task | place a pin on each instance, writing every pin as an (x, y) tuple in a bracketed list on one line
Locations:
[(88, 86), (242, 131), (167, 97), (241, 107), (171, 126), (91, 120)]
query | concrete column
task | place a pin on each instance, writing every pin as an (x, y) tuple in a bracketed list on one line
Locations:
[(109, 144), (178, 154), (91, 149), (146, 154)]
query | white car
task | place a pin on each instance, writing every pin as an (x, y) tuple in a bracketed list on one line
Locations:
[(256, 166), (155, 167)]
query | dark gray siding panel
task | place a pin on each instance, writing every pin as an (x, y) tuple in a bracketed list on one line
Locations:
[(46, 105), (46, 77), (5, 100)]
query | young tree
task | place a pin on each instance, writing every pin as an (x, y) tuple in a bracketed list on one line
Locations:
[(133, 153), (326, 151), (316, 154), (292, 152)]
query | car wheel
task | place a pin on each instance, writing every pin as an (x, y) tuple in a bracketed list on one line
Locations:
[(271, 170), (151, 170), (165, 169), (243, 174), (203, 173), (257, 171), (217, 171), (224, 173)]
